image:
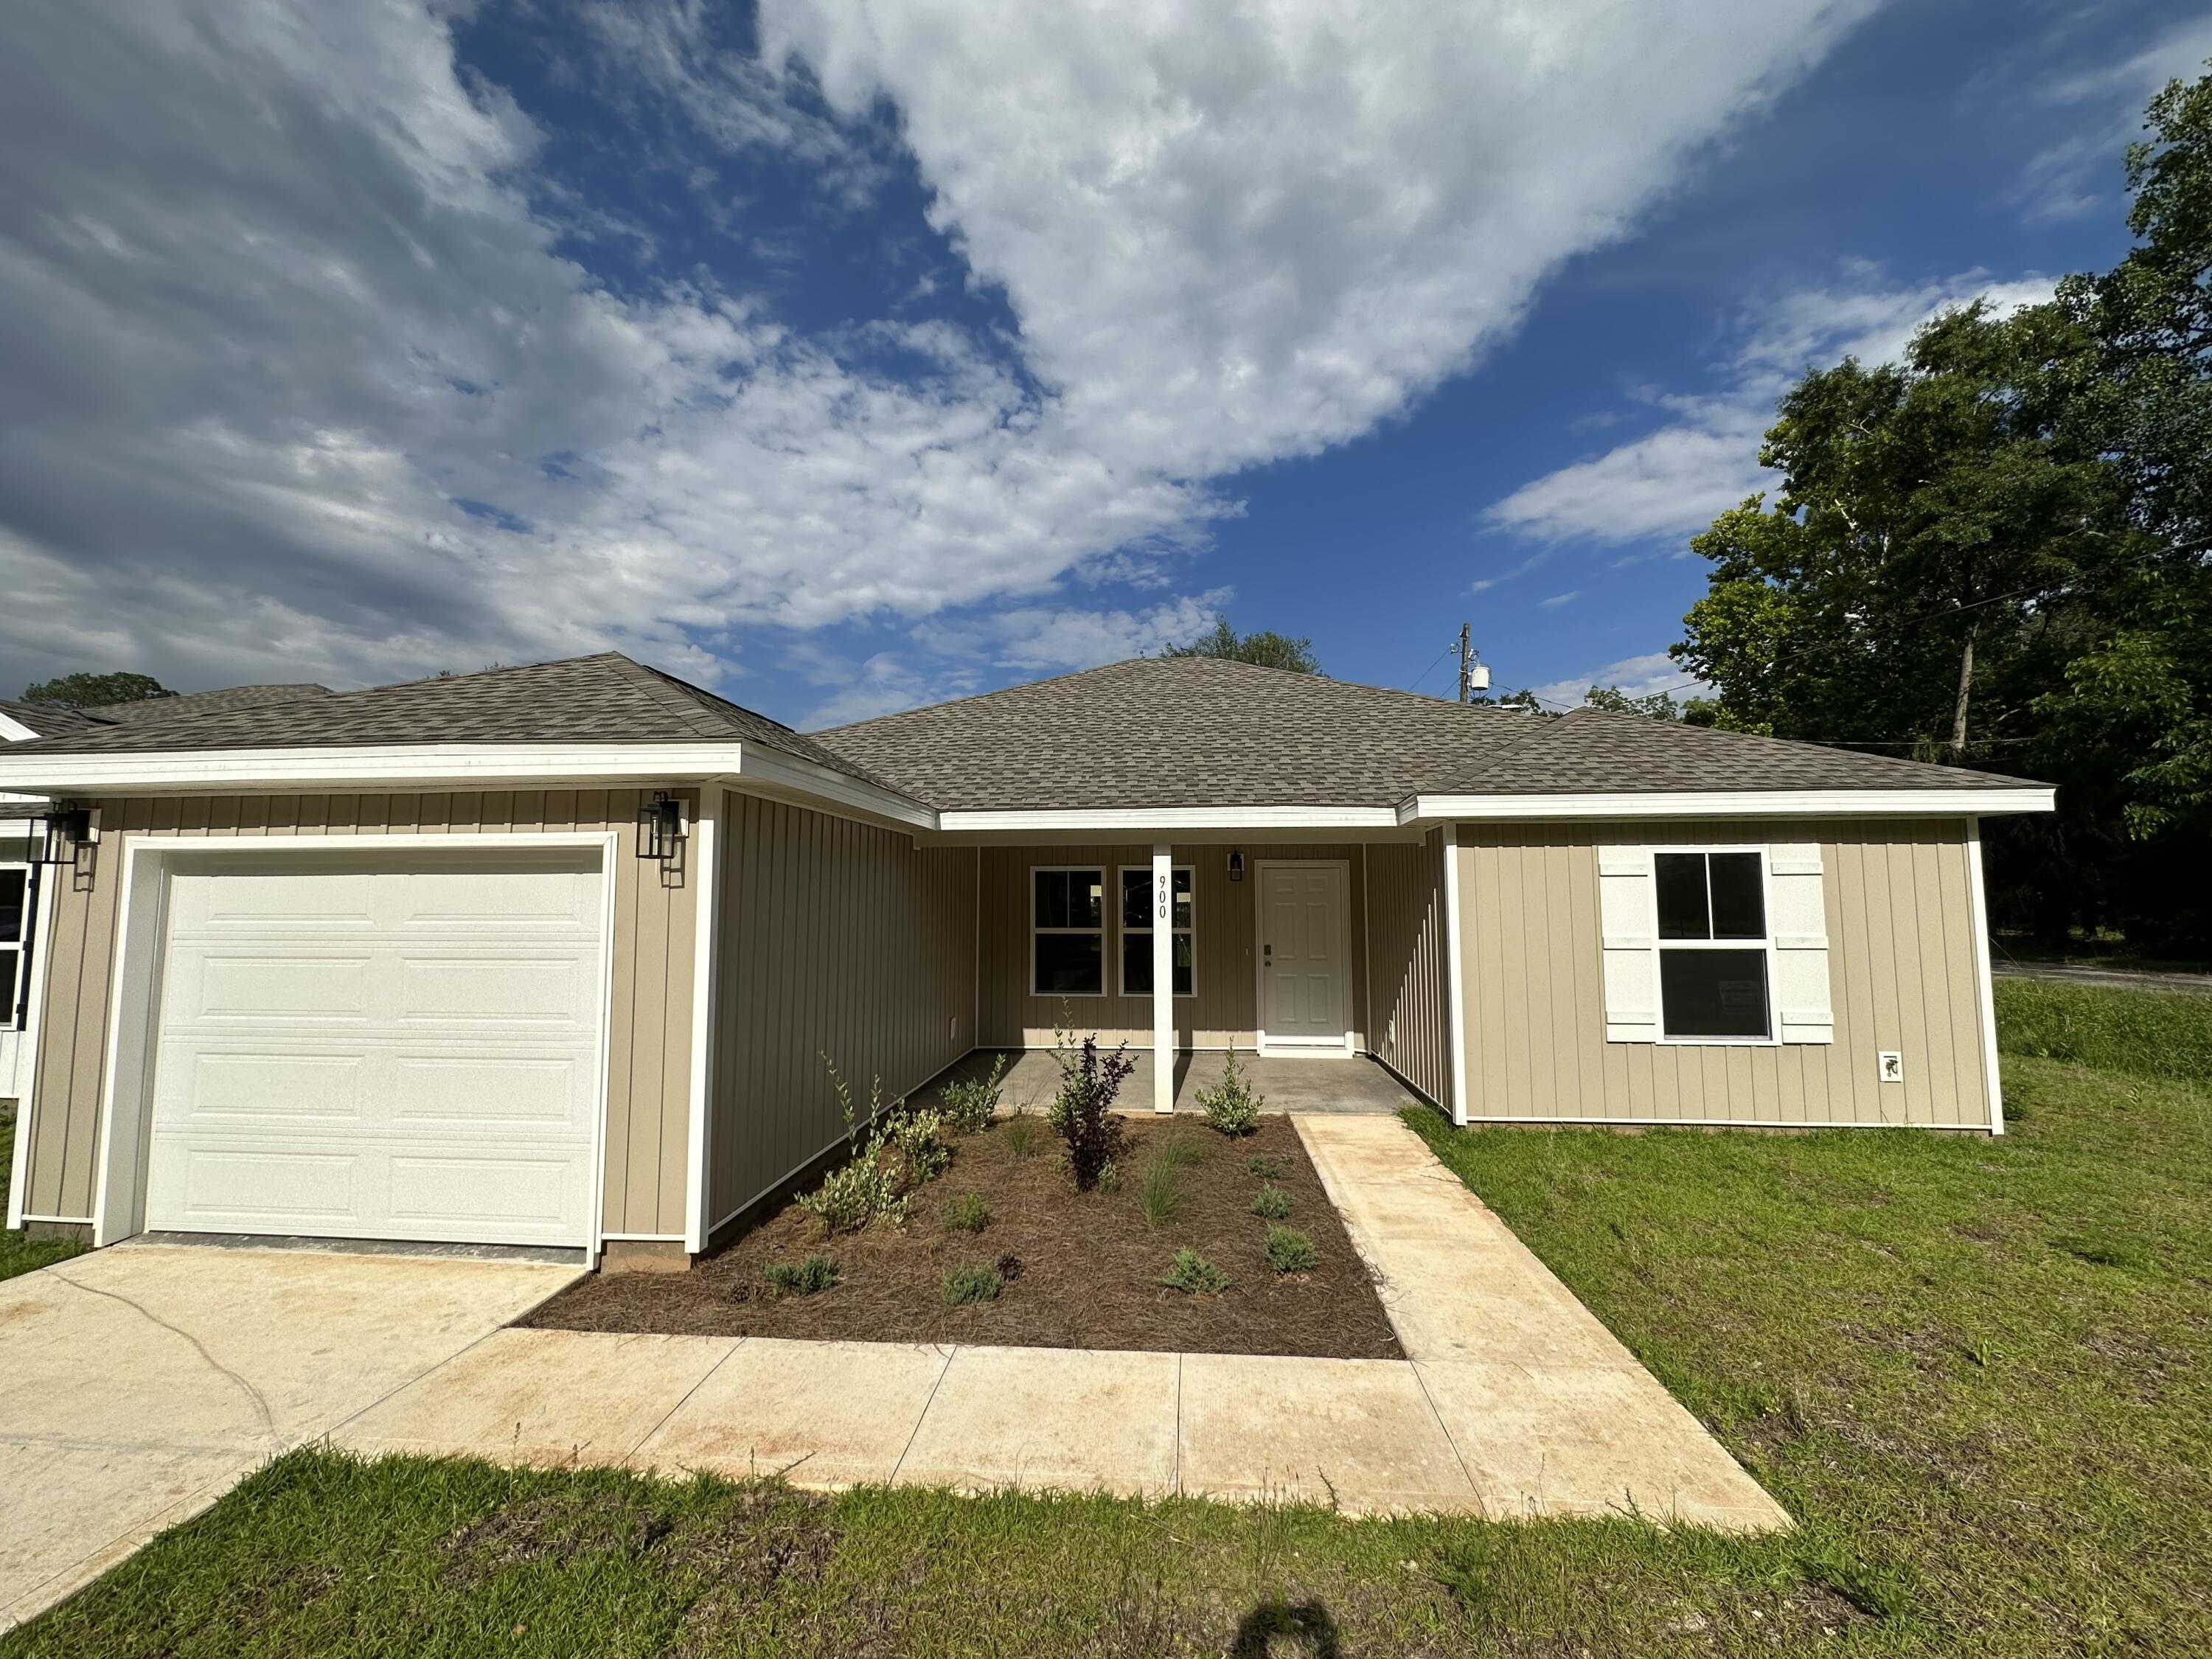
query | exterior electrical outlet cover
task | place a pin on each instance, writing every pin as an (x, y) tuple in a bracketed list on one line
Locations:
[(1890, 1066)]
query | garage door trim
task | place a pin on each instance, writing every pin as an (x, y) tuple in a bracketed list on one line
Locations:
[(126, 1089)]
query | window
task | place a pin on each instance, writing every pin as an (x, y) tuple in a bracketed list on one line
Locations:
[(14, 933), (1137, 932), (1712, 945), (1067, 920)]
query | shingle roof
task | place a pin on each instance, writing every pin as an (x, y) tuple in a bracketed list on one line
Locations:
[(1201, 731), (48, 720), (192, 704), (605, 699)]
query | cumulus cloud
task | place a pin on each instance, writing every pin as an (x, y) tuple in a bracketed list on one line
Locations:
[(1672, 482), (2081, 174), (301, 379), (1638, 677)]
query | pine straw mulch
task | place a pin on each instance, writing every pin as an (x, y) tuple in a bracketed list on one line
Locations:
[(1089, 1267)]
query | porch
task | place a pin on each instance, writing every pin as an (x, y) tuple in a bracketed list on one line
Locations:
[(1289, 1083)]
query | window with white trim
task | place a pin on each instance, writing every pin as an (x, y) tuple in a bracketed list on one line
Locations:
[(1067, 932), (1137, 916), (14, 938), (1714, 983)]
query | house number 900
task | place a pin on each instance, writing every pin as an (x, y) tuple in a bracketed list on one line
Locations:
[(1160, 882)]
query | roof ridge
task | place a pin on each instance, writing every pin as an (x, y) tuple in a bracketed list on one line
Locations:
[(663, 688), (979, 696)]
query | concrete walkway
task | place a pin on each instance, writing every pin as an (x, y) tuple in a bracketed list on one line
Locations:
[(1350, 1083), (2089, 973), (139, 1384), (1517, 1400)]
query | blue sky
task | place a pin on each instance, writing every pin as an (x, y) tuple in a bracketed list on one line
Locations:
[(846, 356)]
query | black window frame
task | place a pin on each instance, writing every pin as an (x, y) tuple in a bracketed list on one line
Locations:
[(1038, 929), (1669, 940)]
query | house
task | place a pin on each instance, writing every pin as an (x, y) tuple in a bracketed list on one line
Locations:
[(554, 955)]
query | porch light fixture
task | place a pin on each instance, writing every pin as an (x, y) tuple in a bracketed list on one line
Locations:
[(66, 833), (1235, 867), (661, 827)]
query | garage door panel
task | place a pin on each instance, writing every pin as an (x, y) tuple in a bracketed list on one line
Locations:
[(434, 1077)]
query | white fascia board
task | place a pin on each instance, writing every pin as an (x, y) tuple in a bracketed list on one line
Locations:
[(767, 766), (1131, 819), (461, 765), (14, 730), (1735, 804)]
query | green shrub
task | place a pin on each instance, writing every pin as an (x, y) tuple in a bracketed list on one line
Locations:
[(970, 1103), (1229, 1105), (815, 1274), (968, 1213), (1290, 1251), (1019, 1133), (965, 1284), (926, 1157), (1161, 1194), (2147, 1033), (1273, 1203), (1193, 1275), (1268, 1168), (863, 1189), (1083, 1111)]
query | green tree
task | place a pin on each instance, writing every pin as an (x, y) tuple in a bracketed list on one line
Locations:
[(1267, 650), (1659, 706), (90, 690)]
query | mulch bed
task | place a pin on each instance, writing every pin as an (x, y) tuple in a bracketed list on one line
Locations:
[(1090, 1269)]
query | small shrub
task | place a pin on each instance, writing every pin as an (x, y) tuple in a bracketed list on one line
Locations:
[(1290, 1251), (1082, 1114), (1109, 1176), (1193, 1275), (1010, 1267), (1229, 1105), (968, 1213), (1161, 1195), (926, 1157), (815, 1274), (970, 1103), (1019, 1133), (1268, 1168), (1273, 1203), (964, 1286), (1178, 1150), (863, 1189)]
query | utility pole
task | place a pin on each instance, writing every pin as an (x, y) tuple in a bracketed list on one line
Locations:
[(1473, 676)]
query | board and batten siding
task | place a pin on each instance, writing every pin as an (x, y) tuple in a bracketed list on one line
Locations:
[(1899, 898), (649, 1026), (837, 939), (1226, 1010), (1406, 969)]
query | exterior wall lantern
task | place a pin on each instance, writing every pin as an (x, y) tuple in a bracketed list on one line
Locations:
[(662, 826), (1236, 867), (67, 833)]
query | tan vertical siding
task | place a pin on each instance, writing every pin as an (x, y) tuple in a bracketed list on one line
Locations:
[(1411, 1033), (649, 1053), (836, 939), (1901, 975), (1225, 1009)]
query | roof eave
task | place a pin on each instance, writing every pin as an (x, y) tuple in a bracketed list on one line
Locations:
[(1989, 801)]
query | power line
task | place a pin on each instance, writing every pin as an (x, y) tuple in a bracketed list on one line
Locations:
[(1432, 668)]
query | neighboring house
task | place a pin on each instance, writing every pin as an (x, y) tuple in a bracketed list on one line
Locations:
[(553, 955), (23, 898)]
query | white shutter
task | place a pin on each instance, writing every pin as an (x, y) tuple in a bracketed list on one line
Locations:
[(1624, 922), (1799, 920)]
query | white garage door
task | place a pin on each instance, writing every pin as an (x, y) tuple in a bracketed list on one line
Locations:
[(356, 1052)]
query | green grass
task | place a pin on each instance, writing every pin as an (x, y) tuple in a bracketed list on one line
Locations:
[(2154, 1034), (20, 1253), (1979, 1373)]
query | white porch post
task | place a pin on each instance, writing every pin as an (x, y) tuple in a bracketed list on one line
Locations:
[(1163, 1049)]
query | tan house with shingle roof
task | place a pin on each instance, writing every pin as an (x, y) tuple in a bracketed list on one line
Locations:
[(549, 955)]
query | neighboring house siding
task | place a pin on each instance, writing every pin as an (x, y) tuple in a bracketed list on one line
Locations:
[(649, 1028), (1405, 932), (836, 939), (1899, 903), (1225, 1009)]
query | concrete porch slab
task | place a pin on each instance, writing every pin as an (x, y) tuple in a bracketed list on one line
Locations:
[(1352, 1083)]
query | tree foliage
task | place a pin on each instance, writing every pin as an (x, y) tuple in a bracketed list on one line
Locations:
[(1994, 554), (1266, 649), (90, 690)]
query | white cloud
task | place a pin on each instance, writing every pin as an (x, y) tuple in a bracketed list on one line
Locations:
[(280, 300), (2081, 173), (1673, 481), (1558, 599), (1638, 677)]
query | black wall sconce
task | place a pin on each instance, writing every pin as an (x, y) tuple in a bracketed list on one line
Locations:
[(1235, 867), (662, 826), (66, 835)]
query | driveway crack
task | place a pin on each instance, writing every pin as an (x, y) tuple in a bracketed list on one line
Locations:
[(260, 1405)]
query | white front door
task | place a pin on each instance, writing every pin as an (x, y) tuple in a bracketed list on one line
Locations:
[(1305, 961), (374, 1052)]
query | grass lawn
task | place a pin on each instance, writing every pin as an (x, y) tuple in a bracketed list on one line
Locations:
[(1979, 1373), (18, 1253)]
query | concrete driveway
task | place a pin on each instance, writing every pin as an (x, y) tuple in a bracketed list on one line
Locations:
[(139, 1384)]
